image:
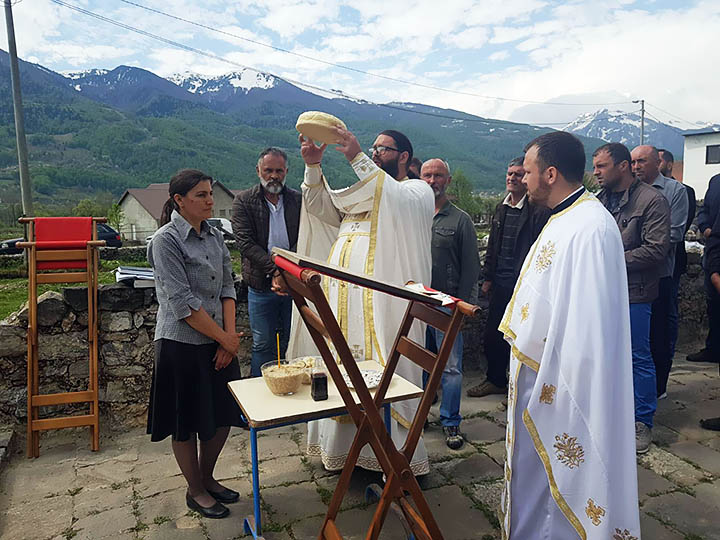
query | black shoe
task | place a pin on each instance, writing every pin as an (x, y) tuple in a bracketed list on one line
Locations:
[(702, 356), (711, 423), (453, 438), (225, 496), (216, 511)]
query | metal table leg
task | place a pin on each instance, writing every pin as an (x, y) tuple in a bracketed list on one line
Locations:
[(252, 524)]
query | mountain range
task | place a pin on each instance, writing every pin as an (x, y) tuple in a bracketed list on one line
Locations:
[(624, 127), (103, 131)]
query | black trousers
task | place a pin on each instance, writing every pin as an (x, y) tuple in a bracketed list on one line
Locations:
[(661, 333), (497, 350), (712, 343)]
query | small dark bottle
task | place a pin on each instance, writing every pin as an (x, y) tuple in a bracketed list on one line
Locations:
[(318, 381)]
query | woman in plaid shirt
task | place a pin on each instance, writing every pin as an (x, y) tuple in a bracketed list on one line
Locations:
[(195, 340)]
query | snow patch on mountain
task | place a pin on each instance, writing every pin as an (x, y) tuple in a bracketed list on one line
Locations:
[(624, 127), (236, 81), (73, 75)]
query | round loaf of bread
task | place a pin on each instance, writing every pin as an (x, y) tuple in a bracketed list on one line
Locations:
[(319, 126)]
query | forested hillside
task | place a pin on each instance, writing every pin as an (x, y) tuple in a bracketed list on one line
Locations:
[(97, 135)]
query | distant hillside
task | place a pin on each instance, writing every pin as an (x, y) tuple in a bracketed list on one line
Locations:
[(107, 130)]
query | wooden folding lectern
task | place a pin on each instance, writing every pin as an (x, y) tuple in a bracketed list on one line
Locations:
[(302, 276)]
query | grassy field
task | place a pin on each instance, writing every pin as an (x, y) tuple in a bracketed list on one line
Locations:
[(13, 290)]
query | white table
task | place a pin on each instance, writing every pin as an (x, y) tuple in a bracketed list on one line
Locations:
[(264, 410)]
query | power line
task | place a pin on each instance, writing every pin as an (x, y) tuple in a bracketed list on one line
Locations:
[(671, 114), (355, 70), (487, 121), (678, 130), (237, 64)]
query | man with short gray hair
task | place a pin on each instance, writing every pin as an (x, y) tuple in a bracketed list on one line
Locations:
[(455, 271), (515, 226)]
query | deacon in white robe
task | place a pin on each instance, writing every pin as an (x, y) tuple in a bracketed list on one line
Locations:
[(570, 468), (382, 227)]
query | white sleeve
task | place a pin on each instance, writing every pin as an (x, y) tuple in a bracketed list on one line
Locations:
[(316, 199)]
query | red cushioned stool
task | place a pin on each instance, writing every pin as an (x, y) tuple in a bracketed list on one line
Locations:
[(61, 250)]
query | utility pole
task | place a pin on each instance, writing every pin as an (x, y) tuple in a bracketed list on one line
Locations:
[(25, 184), (642, 119)]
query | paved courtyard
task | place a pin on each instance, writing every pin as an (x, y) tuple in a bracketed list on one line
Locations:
[(132, 489)]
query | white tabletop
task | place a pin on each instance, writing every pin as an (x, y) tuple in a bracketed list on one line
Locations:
[(262, 408)]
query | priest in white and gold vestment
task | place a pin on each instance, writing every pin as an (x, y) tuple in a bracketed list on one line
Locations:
[(570, 469), (382, 227)]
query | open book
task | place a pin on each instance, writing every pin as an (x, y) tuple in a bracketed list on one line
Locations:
[(135, 276)]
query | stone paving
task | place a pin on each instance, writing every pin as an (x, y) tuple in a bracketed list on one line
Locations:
[(132, 488)]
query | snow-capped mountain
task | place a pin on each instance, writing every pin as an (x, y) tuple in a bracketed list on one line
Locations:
[(624, 127), (84, 74), (234, 82)]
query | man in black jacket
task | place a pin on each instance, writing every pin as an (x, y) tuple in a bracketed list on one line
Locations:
[(707, 217), (667, 161), (264, 217), (515, 226), (712, 285)]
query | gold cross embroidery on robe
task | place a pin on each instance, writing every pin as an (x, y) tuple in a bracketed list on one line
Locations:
[(524, 312), (544, 258), (547, 394), (568, 451), (594, 512), (623, 535), (356, 351)]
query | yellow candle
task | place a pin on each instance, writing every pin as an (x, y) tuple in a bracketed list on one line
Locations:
[(277, 336)]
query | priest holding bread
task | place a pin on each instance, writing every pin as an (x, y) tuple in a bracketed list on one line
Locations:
[(381, 226)]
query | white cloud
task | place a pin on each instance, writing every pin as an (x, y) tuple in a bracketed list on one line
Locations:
[(470, 38), (519, 49), (499, 56)]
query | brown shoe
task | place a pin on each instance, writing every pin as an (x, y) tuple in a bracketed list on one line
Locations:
[(485, 389)]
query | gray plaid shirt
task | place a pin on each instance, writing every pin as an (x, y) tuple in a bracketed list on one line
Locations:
[(191, 271)]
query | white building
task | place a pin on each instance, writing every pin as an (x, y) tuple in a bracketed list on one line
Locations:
[(701, 159)]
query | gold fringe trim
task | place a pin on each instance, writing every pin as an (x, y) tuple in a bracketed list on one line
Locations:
[(368, 314), (554, 490), (525, 359), (399, 419), (505, 323)]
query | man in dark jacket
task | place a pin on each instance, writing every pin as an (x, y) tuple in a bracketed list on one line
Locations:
[(707, 217), (643, 216), (712, 285), (455, 270), (515, 226), (667, 160), (264, 217)]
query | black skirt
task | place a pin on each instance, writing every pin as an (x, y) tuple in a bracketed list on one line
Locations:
[(187, 394)]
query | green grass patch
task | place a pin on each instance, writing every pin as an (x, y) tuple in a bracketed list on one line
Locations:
[(14, 291)]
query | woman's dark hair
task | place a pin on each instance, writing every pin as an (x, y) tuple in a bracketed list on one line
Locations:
[(183, 181)]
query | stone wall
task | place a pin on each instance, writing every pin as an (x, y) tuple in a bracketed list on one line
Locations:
[(126, 326)]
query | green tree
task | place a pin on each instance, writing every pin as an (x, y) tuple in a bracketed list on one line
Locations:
[(460, 193), (115, 216), (591, 183), (88, 207)]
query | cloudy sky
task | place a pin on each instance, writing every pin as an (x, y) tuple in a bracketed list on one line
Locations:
[(589, 52)]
